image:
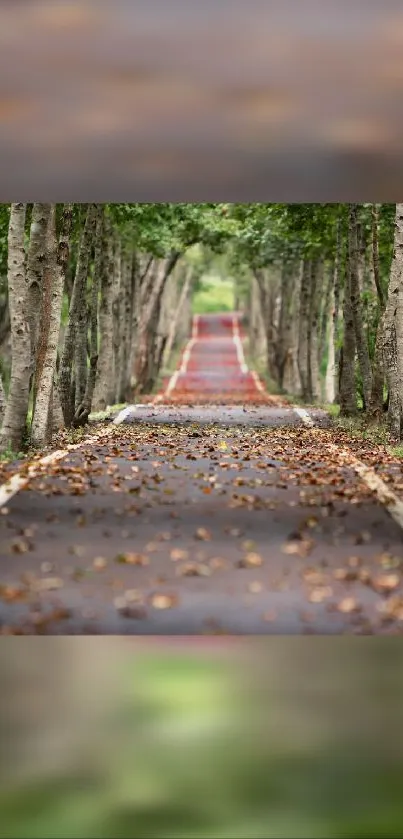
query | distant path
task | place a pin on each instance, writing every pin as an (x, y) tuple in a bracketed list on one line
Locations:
[(213, 369)]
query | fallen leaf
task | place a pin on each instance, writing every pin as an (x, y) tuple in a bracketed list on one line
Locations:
[(132, 559), (164, 601), (46, 567), (217, 562), (318, 595), (313, 577), (345, 574), (48, 584), (99, 563), (203, 534), (194, 570), (347, 605), (178, 554), (386, 583)]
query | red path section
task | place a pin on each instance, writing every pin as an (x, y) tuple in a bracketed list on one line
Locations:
[(212, 369)]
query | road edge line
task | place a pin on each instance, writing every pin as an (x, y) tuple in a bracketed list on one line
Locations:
[(393, 505)]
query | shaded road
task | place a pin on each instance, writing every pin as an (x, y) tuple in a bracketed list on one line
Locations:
[(204, 519)]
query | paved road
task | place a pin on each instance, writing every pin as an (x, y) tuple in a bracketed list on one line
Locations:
[(204, 519)]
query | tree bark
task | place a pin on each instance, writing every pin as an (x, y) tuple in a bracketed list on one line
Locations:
[(36, 259), (83, 410), (347, 387), (356, 306), (378, 369), (15, 418), (393, 332), (104, 391), (303, 337), (77, 301), (177, 315), (52, 297)]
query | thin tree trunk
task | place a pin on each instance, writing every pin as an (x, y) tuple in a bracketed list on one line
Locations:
[(52, 298), (2, 400), (149, 308), (117, 315), (104, 391), (378, 370), (15, 418), (313, 334), (392, 335), (83, 410), (76, 302), (348, 397), (330, 390), (303, 338), (177, 315), (36, 259), (356, 306)]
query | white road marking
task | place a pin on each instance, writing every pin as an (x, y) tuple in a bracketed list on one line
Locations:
[(21, 479), (384, 494), (184, 365), (238, 345)]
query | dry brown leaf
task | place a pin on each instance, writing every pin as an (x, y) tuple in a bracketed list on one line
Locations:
[(203, 534), (318, 595), (164, 601), (46, 567), (132, 559), (347, 605), (345, 574), (217, 563), (386, 583), (193, 569), (178, 554), (48, 584), (99, 563), (314, 577)]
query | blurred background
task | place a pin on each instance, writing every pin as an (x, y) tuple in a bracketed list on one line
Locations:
[(207, 737), (286, 100)]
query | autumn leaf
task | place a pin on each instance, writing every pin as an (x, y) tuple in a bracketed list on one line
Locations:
[(178, 554), (193, 570), (348, 605), (203, 534), (132, 559), (99, 563), (318, 595), (385, 583), (255, 587), (164, 601)]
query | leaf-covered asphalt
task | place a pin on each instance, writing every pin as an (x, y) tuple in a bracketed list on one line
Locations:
[(175, 523)]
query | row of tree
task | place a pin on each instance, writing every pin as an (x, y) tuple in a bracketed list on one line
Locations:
[(93, 298), (325, 301), (92, 301)]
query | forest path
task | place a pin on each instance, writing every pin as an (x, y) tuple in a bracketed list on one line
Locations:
[(214, 508)]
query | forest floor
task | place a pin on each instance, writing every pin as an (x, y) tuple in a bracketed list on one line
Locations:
[(212, 507)]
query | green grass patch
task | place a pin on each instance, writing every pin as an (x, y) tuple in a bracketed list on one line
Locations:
[(214, 295)]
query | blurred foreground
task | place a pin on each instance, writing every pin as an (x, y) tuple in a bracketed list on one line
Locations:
[(202, 738)]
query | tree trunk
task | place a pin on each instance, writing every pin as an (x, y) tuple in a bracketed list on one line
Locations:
[(77, 301), (330, 380), (148, 309), (392, 340), (303, 337), (36, 259), (2, 400), (356, 306), (104, 392), (177, 315), (313, 334), (117, 316), (52, 297), (83, 410), (15, 418), (378, 374), (348, 397)]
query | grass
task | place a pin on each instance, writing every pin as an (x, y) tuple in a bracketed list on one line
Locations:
[(214, 295)]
